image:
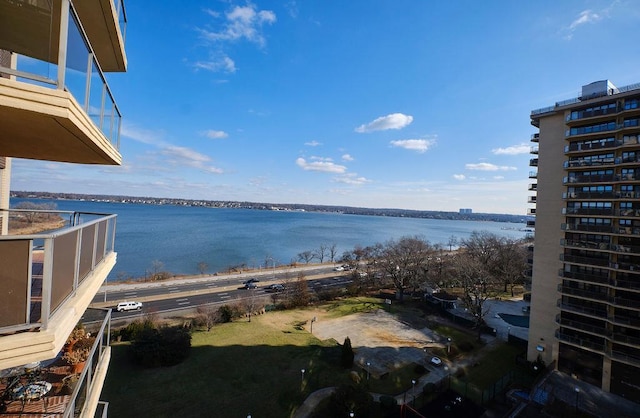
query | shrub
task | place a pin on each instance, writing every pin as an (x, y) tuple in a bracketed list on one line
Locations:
[(165, 346), (419, 369), (131, 331), (347, 354), (465, 346)]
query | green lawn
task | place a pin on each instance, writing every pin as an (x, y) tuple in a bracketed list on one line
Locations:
[(255, 367), (241, 366)]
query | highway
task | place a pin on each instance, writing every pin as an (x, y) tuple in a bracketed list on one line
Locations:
[(189, 293)]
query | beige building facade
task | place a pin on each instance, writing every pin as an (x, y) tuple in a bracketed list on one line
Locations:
[(585, 290), (56, 105)]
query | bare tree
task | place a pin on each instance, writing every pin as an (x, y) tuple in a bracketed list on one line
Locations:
[(511, 263), (333, 252), (299, 294), (306, 256), (478, 286), (209, 315), (405, 261), (322, 252), (453, 241), (202, 267)]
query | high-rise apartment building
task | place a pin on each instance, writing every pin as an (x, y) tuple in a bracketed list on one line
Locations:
[(585, 307), (56, 105)]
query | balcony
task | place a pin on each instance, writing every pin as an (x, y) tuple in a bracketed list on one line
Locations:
[(590, 261), (581, 342), (531, 211), (532, 199), (534, 150), (583, 310), (581, 326), (598, 178), (69, 390), (533, 187), (579, 163), (580, 146), (104, 23), (68, 107), (533, 162), (588, 211), (531, 224), (581, 293), (51, 279), (533, 174), (583, 277)]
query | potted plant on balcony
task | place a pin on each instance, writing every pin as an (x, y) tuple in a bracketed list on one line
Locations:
[(76, 358)]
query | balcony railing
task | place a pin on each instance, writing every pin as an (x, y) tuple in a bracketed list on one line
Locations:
[(580, 309), (47, 268), (588, 211), (583, 326), (533, 162), (81, 76), (70, 389), (567, 290), (581, 342), (598, 178), (533, 174)]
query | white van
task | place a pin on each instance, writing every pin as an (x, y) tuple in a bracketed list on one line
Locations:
[(129, 306)]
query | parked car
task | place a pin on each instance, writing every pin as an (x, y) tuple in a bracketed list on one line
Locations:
[(436, 361), (338, 268), (250, 285), (129, 306)]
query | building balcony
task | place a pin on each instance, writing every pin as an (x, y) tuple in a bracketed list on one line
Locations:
[(66, 102), (624, 320), (531, 211), (601, 178), (588, 211), (583, 310), (595, 195), (532, 199), (582, 146), (583, 277), (533, 174), (590, 261), (533, 187), (535, 137), (581, 342), (533, 150), (71, 390), (581, 293), (626, 284), (626, 357), (531, 223), (51, 278), (581, 326), (103, 25), (533, 162), (624, 339), (581, 163)]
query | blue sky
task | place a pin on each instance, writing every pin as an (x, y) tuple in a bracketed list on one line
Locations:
[(369, 103)]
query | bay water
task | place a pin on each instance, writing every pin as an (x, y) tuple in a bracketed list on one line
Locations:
[(181, 237)]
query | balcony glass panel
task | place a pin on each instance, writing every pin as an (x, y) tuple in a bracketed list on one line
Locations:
[(72, 252)]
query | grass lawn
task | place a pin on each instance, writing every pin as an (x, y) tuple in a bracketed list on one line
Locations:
[(246, 367), (243, 368)]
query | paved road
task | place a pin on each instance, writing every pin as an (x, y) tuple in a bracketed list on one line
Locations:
[(189, 293)]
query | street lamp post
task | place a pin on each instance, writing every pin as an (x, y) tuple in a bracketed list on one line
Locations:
[(302, 371), (413, 390), (314, 319), (577, 390), (368, 372), (448, 345)]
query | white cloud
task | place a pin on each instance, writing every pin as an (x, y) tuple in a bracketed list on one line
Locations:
[(347, 157), (140, 135), (188, 157), (392, 121), (217, 64), (459, 176), (242, 22), (586, 16), (213, 134), (512, 150), (498, 177), (351, 179), (419, 145), (322, 165), (313, 143), (488, 167)]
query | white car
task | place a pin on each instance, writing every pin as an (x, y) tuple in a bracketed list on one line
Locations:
[(339, 268), (128, 306), (435, 361)]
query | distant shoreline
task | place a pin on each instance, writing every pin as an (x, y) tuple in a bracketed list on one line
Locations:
[(346, 210)]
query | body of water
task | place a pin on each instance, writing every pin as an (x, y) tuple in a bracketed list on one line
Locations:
[(182, 237)]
